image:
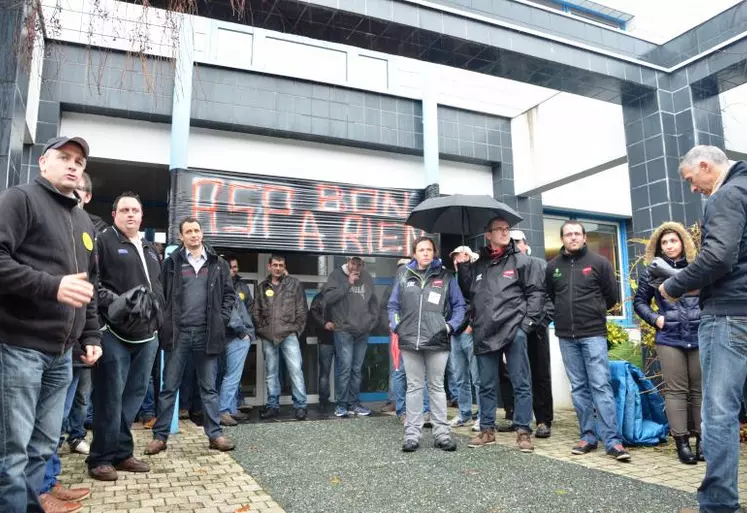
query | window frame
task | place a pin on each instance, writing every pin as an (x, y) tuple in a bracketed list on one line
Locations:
[(626, 299)]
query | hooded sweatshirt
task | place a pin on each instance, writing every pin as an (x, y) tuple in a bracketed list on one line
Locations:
[(353, 309)]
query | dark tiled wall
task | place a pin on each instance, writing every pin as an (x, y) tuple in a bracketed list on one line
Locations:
[(473, 136), (240, 100)]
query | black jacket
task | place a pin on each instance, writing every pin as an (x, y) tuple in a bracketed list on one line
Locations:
[(220, 299), (98, 224), (242, 290), (280, 311), (583, 287), (548, 309), (43, 237), (720, 269), (317, 319), (121, 270), (353, 308), (506, 294), (681, 318)]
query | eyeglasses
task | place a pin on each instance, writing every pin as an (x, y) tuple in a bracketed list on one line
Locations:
[(82, 189), (500, 229)]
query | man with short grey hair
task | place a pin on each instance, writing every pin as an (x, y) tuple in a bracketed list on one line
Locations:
[(720, 273)]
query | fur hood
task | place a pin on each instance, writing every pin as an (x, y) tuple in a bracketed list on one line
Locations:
[(687, 242)]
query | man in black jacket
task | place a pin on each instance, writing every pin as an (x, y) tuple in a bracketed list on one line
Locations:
[(506, 293), (583, 287), (720, 273), (279, 314), (352, 305), (128, 268), (320, 326), (199, 299), (47, 305)]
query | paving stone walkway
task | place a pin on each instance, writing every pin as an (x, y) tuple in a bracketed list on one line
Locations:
[(343, 465)]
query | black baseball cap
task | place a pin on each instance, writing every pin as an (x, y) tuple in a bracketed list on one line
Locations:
[(59, 142)]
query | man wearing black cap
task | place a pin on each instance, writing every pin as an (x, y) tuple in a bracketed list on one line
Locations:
[(47, 271)]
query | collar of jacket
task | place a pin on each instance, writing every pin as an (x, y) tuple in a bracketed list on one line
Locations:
[(268, 280), (578, 254), (67, 201), (487, 254), (739, 168), (121, 236), (435, 265)]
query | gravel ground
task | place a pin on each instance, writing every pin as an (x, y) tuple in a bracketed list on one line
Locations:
[(356, 465)]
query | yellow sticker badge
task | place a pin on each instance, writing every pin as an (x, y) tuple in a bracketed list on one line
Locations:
[(269, 292), (242, 296), (87, 241)]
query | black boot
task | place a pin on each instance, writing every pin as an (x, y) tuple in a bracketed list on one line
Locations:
[(683, 450), (699, 448)]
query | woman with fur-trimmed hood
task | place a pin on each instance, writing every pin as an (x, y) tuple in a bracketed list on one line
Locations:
[(676, 325)]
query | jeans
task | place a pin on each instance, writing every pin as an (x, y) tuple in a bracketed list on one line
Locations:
[(465, 372), (723, 358), (350, 351), (147, 409), (326, 357), (588, 370), (292, 355), (399, 386), (189, 389), (53, 467), (451, 380), (517, 364), (425, 366), (190, 346), (33, 388), (120, 380), (235, 356), (77, 415)]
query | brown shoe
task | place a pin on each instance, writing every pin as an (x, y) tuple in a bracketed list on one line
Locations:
[(388, 408), (524, 441), (149, 424), (486, 437), (51, 504), (103, 473), (227, 420), (132, 464), (183, 414), (222, 443), (155, 446), (70, 494)]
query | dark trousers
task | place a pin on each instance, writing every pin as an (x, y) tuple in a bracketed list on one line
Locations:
[(539, 362), (120, 380)]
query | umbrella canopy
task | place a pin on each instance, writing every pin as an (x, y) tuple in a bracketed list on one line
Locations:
[(460, 214)]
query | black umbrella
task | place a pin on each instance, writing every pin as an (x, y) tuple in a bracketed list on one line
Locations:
[(460, 214)]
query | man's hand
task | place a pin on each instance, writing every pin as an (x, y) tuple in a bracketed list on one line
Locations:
[(461, 258), (660, 322), (330, 326), (468, 330), (664, 294), (353, 277), (93, 353), (75, 290)]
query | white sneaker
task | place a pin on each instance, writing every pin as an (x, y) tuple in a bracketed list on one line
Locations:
[(476, 425), (82, 447), (457, 421)]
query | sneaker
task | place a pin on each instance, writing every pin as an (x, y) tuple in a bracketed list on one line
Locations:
[(476, 425), (341, 412), (506, 427), (457, 421), (227, 420), (445, 444), (619, 453), (361, 411), (410, 446), (301, 413), (388, 408), (240, 416), (583, 447), (486, 437), (524, 441), (543, 431), (80, 446), (269, 413)]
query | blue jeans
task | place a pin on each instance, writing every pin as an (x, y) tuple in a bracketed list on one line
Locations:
[(120, 380), (326, 357), (235, 356), (588, 370), (190, 346), (350, 351), (54, 466), (723, 359), (32, 401), (76, 418), (293, 362), (147, 409), (517, 364), (189, 389), (451, 381), (463, 359)]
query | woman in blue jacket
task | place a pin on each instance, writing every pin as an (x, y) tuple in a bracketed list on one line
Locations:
[(676, 325), (425, 308)]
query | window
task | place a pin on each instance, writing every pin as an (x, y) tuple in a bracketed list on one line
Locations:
[(589, 10), (602, 237)]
